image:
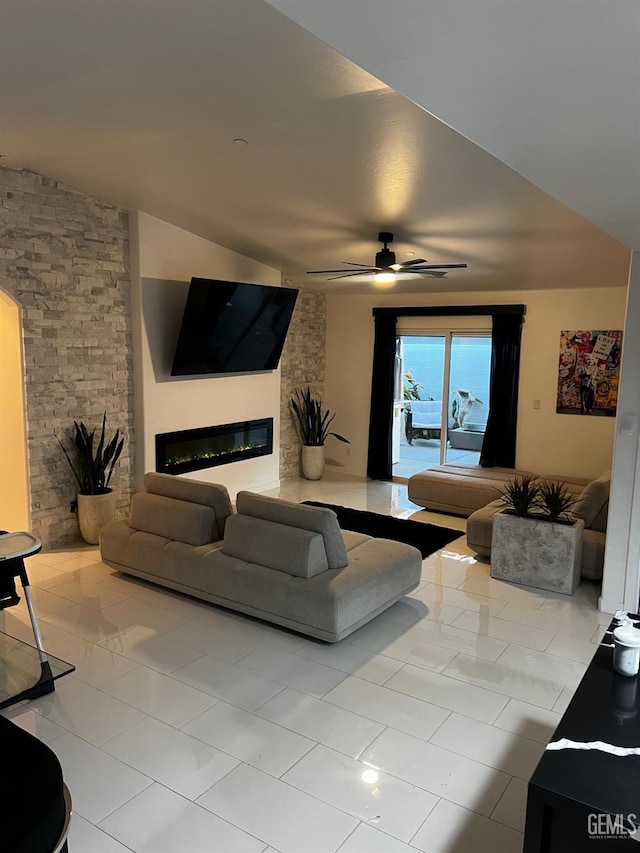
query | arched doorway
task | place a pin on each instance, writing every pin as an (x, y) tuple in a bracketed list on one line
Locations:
[(14, 495)]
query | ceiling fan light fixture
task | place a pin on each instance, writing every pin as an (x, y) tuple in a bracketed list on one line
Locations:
[(386, 268), (385, 277)]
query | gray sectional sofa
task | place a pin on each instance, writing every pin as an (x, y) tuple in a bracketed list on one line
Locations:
[(282, 562), (592, 506), (473, 491)]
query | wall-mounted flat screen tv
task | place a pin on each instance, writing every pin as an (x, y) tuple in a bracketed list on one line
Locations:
[(229, 327)]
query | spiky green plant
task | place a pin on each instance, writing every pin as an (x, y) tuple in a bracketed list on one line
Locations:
[(411, 387), (91, 467), (555, 501), (312, 419), (520, 495)]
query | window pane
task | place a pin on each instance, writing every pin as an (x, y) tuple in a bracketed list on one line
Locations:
[(468, 396)]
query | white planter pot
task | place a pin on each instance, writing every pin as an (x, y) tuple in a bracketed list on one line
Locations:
[(312, 461), (94, 513), (536, 552)]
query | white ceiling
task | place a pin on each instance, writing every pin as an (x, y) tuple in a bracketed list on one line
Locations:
[(139, 104), (550, 87)]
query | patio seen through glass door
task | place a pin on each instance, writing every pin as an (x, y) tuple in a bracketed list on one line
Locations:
[(442, 399)]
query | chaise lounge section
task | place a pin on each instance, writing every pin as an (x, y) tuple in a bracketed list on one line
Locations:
[(283, 562), (461, 488)]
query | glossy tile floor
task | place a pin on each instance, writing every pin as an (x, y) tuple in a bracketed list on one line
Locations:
[(189, 729)]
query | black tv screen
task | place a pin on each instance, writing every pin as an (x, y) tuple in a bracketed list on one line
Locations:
[(229, 327)]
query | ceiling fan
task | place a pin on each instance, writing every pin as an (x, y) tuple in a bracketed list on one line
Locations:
[(386, 267)]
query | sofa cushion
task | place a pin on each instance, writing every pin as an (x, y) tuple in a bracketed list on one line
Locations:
[(593, 499), (329, 605), (194, 491), (174, 519), (316, 519), (353, 539), (287, 549)]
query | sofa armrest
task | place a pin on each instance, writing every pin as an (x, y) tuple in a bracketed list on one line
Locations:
[(267, 543), (480, 527)]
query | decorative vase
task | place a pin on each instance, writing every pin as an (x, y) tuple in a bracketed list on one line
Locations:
[(94, 513), (312, 461)]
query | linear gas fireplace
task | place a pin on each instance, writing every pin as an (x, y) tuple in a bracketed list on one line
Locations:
[(194, 449)]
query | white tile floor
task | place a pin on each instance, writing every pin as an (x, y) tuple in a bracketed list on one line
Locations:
[(189, 728)]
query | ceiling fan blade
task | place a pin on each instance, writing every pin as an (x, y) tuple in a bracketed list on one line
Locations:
[(351, 264), (437, 267), (349, 274), (405, 264), (432, 273), (316, 272)]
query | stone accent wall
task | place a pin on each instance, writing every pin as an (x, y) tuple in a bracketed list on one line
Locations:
[(302, 364), (64, 258)]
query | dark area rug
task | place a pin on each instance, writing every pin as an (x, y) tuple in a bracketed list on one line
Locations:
[(427, 538)]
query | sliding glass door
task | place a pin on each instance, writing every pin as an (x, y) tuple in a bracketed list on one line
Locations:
[(469, 373), (446, 397)]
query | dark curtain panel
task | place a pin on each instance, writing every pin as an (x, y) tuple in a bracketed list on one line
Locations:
[(381, 412), (499, 445)]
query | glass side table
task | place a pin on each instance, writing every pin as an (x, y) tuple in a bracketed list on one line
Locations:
[(25, 672)]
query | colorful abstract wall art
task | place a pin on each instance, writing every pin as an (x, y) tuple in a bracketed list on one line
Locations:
[(588, 372)]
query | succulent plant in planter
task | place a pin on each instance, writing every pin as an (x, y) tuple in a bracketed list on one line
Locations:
[(555, 501), (92, 463), (535, 541), (544, 500), (313, 422), (520, 495)]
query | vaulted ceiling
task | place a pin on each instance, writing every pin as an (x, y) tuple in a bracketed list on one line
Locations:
[(550, 87), (143, 104)]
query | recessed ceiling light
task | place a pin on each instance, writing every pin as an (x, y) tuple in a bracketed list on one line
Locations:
[(240, 141), (410, 254)]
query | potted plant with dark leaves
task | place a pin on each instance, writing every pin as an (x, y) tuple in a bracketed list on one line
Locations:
[(535, 539), (555, 501), (92, 460), (313, 421), (520, 496)]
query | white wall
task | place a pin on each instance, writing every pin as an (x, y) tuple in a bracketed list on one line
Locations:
[(547, 442), (620, 587), (163, 256)]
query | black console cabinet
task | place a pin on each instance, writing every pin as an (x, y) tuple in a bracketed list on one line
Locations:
[(583, 800)]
